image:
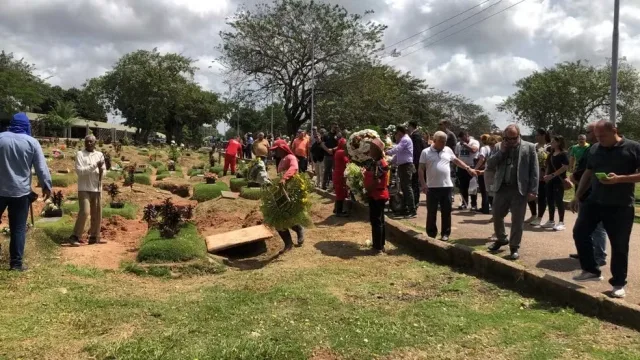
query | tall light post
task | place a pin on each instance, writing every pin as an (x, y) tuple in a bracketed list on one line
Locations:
[(272, 113), (614, 62), (313, 80)]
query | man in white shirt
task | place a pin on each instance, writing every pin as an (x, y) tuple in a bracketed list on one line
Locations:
[(90, 168), (467, 151), (435, 163)]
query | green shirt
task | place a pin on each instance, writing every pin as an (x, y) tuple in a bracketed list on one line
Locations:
[(576, 151)]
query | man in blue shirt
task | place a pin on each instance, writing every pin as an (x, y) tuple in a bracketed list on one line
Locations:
[(19, 152)]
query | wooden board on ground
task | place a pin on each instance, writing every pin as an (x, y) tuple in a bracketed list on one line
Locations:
[(230, 195), (237, 237)]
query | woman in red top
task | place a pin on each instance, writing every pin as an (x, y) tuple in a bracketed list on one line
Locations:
[(288, 167), (340, 160), (376, 178), (233, 151)]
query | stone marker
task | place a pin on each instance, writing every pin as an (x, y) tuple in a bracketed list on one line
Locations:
[(237, 237), (230, 195)]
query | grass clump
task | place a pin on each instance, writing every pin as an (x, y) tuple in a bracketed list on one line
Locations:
[(143, 179), (114, 175), (58, 231), (204, 192), (63, 180), (195, 172), (162, 176), (250, 193), (218, 169), (187, 245), (156, 164), (237, 183), (129, 211)]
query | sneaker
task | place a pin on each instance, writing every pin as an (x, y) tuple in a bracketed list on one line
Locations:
[(513, 256), (474, 208), (462, 207), (535, 222), (444, 238), (497, 245), (559, 227), (618, 292), (587, 276), (549, 225), (73, 241), (532, 218)]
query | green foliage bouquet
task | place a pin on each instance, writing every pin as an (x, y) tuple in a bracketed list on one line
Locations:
[(288, 204), (355, 181)]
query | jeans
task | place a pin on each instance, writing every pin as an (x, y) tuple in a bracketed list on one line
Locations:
[(415, 185), (302, 164), (328, 170), (405, 173), (484, 194), (538, 207), (376, 218), (555, 197), (18, 214), (464, 179), (508, 199), (442, 197), (617, 222)]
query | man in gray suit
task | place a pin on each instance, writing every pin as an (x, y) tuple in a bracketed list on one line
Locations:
[(516, 183)]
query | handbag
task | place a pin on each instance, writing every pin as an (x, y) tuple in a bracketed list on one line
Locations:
[(566, 183)]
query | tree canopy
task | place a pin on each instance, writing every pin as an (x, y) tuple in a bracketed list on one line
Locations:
[(20, 88)]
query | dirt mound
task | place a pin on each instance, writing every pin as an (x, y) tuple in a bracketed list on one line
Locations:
[(222, 215), (123, 231)]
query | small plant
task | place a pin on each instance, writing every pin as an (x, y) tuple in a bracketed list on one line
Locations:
[(107, 161), (171, 165), (113, 190), (167, 217), (53, 206), (57, 198), (124, 142), (129, 178), (210, 177), (174, 153)]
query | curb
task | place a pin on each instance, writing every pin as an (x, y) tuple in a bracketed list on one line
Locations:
[(529, 281)]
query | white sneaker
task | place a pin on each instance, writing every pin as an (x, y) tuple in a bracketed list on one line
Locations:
[(618, 292), (587, 276), (531, 219), (559, 227), (536, 222), (549, 225)]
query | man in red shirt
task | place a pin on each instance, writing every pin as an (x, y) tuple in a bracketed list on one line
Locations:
[(231, 154)]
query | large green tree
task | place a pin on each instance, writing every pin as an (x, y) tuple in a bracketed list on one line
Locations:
[(287, 45), (564, 98), (145, 87), (20, 88), (61, 116)]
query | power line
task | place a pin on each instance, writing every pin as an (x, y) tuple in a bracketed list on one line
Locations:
[(454, 25), (434, 26), (457, 32)]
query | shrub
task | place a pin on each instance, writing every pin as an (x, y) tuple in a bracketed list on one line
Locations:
[(204, 192), (187, 245), (63, 180), (237, 183), (162, 176), (156, 164), (161, 169), (217, 170), (143, 179), (167, 217), (181, 190), (250, 193), (129, 211), (195, 172)]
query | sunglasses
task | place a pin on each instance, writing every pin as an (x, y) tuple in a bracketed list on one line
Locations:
[(511, 138)]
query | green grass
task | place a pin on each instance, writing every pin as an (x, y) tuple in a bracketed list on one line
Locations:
[(237, 183), (250, 193), (187, 245), (129, 211), (217, 170), (194, 172), (59, 231), (114, 175), (143, 179), (63, 180), (156, 164), (162, 176), (204, 192)]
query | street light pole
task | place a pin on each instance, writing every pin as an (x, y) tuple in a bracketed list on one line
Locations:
[(313, 80), (614, 62), (271, 113)]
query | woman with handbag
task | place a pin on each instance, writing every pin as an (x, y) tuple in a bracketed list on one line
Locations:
[(556, 182)]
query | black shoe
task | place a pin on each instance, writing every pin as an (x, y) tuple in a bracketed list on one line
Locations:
[(342, 214), (602, 263), (497, 245), (574, 256), (462, 207), (444, 238), (474, 208), (20, 268), (411, 215), (94, 241), (300, 235)]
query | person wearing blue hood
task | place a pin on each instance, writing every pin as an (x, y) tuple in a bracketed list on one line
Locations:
[(19, 152)]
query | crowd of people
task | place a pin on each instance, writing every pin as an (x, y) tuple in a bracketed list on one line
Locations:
[(509, 173)]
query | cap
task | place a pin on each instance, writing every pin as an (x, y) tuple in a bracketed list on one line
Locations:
[(277, 144)]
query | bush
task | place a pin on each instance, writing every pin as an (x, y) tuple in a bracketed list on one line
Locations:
[(63, 180), (129, 211), (250, 193), (236, 184), (114, 175), (162, 176), (204, 192), (181, 190), (195, 172), (143, 179), (217, 170), (161, 169), (185, 246), (156, 164)]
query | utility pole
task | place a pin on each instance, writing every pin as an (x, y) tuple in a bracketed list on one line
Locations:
[(272, 113), (313, 79), (614, 62)]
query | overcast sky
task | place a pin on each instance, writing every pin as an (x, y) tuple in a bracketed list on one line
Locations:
[(73, 40)]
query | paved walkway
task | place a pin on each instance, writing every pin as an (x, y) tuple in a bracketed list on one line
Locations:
[(545, 250)]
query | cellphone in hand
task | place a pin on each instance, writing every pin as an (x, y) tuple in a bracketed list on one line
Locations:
[(601, 175)]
